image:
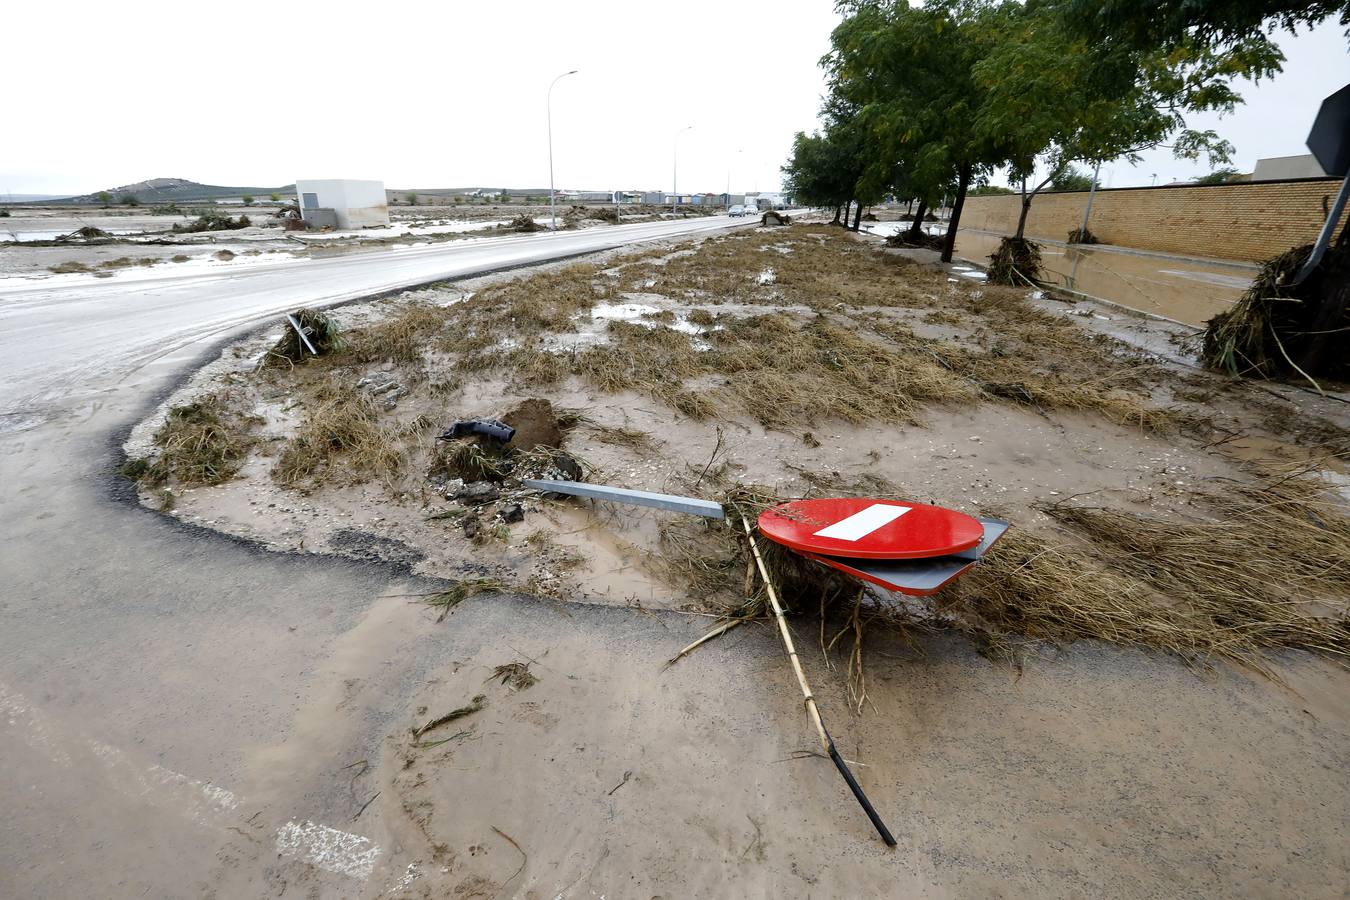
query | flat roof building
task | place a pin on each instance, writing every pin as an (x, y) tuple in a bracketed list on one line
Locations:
[(343, 203)]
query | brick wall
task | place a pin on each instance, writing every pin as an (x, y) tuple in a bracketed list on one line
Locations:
[(1246, 221)]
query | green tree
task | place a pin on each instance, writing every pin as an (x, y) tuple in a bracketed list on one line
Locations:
[(411, 199), (1071, 179), (1053, 98), (248, 199), (104, 198), (274, 197), (1238, 31), (1220, 175), (129, 200), (909, 71), (988, 190), (825, 168)]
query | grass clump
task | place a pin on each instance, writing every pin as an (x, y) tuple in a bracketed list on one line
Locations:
[(445, 601), (342, 435), (1269, 568), (466, 460), (200, 443), (69, 268), (401, 339)]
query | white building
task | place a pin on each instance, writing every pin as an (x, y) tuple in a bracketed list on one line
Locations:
[(1278, 168), (342, 203)]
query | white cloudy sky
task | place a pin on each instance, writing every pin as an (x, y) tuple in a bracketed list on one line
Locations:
[(453, 93)]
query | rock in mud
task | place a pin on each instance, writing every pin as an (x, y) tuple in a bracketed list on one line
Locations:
[(511, 513), (567, 467), (478, 493)]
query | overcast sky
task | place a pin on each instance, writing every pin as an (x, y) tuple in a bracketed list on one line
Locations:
[(453, 94)]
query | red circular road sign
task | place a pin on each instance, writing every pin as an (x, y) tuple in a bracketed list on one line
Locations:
[(867, 528)]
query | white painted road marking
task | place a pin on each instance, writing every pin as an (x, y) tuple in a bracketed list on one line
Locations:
[(328, 848), (864, 522)]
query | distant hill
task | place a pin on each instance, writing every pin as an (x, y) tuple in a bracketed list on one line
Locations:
[(177, 190)]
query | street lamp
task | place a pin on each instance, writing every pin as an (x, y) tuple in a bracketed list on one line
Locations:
[(738, 153), (675, 170), (552, 197)]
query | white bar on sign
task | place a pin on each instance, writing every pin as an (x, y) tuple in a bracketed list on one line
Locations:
[(864, 522)]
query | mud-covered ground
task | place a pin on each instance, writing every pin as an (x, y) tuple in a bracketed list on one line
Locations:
[(793, 362)]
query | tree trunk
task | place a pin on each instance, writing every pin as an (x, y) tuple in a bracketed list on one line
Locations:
[(916, 227), (1022, 219), (848, 204), (909, 208), (963, 173), (837, 210), (857, 215)]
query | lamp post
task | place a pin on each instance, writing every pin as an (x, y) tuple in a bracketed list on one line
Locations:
[(552, 197), (738, 153), (675, 170)]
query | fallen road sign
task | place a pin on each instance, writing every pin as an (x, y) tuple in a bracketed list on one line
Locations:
[(869, 528)]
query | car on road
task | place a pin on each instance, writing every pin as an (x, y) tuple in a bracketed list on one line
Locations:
[(737, 211)]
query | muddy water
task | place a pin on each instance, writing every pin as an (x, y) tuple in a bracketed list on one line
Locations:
[(1187, 289)]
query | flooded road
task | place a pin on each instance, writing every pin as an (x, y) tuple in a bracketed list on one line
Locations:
[(1188, 289), (1184, 288)]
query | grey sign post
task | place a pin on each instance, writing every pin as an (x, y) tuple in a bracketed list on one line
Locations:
[(1329, 142)]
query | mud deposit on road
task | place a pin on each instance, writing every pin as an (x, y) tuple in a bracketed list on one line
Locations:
[(794, 362)]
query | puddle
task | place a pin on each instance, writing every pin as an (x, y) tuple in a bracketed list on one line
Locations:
[(624, 312), (640, 313)]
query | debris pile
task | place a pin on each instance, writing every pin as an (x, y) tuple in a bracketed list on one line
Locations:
[(480, 465), (1082, 236), (320, 331), (213, 221), (200, 443), (1016, 262), (523, 223), (88, 232), (1279, 327)]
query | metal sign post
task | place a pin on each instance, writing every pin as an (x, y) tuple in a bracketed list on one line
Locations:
[(1329, 142)]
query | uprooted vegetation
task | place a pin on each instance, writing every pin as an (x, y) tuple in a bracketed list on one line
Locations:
[(1252, 570), (828, 342), (1280, 327), (200, 443), (213, 221)]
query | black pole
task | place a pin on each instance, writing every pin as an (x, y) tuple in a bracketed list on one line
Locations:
[(857, 790)]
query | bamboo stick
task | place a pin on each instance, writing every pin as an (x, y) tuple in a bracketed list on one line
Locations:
[(826, 742)]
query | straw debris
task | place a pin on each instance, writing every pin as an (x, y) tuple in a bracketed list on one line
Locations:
[(200, 443)]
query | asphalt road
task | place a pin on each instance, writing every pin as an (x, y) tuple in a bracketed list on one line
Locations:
[(69, 337), (152, 675)]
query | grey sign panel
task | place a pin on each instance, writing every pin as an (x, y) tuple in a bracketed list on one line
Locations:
[(1329, 139), (918, 577)]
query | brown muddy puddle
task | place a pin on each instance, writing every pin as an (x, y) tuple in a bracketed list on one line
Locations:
[(1188, 290)]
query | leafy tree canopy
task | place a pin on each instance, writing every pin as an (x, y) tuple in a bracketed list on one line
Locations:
[(1218, 176)]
